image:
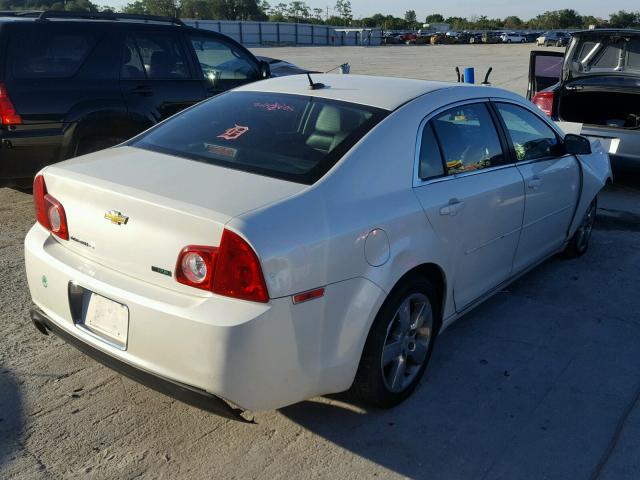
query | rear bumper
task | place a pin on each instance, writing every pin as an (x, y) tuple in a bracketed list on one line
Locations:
[(256, 356), (185, 393), (623, 145)]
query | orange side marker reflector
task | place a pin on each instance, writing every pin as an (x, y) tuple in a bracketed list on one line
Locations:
[(306, 296)]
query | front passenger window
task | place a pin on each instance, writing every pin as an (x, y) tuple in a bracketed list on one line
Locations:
[(220, 61), (468, 139), (532, 138)]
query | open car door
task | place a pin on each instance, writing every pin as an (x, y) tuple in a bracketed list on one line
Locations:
[(545, 70)]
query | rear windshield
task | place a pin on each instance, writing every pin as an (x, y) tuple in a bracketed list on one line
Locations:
[(48, 53), (291, 137)]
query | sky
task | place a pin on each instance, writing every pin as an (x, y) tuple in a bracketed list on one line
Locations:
[(525, 9)]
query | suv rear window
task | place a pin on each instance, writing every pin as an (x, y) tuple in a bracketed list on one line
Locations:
[(42, 53), (292, 137)]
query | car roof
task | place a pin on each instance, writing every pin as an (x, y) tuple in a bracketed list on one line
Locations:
[(387, 93), (609, 31)]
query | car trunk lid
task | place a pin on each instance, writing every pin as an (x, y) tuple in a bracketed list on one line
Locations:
[(603, 52), (134, 210)]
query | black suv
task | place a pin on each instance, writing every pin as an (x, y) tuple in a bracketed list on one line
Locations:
[(73, 83)]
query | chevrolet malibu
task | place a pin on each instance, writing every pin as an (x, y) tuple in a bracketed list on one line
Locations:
[(287, 240)]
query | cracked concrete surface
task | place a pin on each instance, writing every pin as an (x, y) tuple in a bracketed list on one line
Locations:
[(539, 382)]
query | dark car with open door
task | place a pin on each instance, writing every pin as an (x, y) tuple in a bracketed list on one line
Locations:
[(596, 83)]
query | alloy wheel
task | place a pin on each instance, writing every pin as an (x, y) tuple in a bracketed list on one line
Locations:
[(583, 234), (407, 342)]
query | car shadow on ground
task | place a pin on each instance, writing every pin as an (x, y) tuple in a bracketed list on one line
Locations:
[(11, 416), (531, 384)]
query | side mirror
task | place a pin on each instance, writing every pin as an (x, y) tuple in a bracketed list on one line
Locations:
[(265, 69), (577, 144)]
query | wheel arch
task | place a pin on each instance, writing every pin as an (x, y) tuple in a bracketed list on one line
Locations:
[(435, 274)]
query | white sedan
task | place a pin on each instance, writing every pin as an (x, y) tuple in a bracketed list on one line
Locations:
[(279, 242), (513, 37)]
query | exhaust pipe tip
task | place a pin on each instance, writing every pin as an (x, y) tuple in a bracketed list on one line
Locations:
[(38, 321)]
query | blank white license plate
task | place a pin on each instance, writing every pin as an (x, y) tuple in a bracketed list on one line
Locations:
[(105, 318)]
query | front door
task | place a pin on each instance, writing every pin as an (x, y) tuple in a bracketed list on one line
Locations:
[(156, 77), (472, 196), (551, 180)]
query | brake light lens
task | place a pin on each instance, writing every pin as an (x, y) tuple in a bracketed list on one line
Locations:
[(544, 101), (232, 269), (8, 114), (49, 211)]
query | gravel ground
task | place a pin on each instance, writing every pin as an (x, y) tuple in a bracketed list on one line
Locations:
[(539, 382)]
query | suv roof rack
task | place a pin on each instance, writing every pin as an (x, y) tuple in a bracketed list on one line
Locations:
[(48, 14), (20, 13)]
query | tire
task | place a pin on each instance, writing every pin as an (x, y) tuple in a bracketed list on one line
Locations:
[(579, 243), (90, 145), (508, 40), (386, 382), (524, 40)]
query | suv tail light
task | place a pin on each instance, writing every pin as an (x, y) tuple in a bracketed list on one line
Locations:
[(544, 101), (232, 269), (49, 211), (8, 115)]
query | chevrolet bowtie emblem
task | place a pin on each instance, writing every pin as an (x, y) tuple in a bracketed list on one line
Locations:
[(115, 217)]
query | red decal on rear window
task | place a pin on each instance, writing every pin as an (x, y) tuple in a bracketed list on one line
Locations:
[(272, 107), (234, 132)]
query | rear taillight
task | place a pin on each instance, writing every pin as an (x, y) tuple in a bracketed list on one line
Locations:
[(49, 211), (8, 114), (544, 101), (232, 269)]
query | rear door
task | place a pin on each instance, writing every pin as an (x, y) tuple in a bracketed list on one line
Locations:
[(157, 78), (472, 196), (545, 70), (551, 180)]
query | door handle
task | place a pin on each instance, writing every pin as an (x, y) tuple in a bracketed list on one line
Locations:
[(143, 90), (534, 183), (452, 208)]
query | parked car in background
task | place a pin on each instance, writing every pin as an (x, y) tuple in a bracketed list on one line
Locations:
[(409, 38), (513, 37), (75, 82), (532, 36), (597, 84), (491, 37), (553, 39), (279, 242), (390, 39)]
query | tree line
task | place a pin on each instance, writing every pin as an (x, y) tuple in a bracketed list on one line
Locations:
[(340, 14)]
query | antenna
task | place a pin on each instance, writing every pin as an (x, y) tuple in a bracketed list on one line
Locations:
[(314, 86), (486, 77)]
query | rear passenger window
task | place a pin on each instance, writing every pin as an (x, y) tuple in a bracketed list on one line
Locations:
[(468, 139), (43, 53), (159, 55), (430, 159), (531, 137)]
